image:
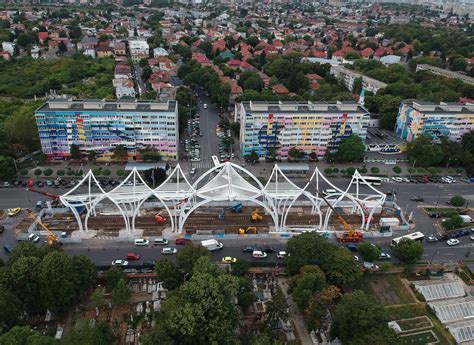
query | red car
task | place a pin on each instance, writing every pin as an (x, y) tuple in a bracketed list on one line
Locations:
[(133, 257), (182, 241)]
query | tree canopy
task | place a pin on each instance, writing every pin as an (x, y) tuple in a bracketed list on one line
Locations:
[(409, 252)]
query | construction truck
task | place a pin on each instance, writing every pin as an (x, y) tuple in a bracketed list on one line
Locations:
[(52, 239), (160, 219), (255, 216), (249, 230), (349, 234)]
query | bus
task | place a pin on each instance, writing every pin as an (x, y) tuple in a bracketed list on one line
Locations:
[(216, 163), (416, 236), (374, 181)]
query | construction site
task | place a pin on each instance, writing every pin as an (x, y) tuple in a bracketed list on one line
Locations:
[(221, 201)]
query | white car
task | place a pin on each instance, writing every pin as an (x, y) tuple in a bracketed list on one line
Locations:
[(193, 171), (257, 254), (397, 179), (33, 238), (281, 254), (472, 238), (384, 256), (120, 263), (160, 241), (356, 258), (205, 106), (168, 251), (141, 242), (452, 242), (370, 265)]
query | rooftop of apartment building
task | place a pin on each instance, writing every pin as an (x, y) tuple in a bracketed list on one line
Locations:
[(347, 71), (128, 105), (308, 107), (427, 107)]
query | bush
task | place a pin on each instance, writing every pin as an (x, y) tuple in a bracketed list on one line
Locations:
[(48, 172), (60, 172), (335, 170), (70, 172), (97, 171), (328, 171), (453, 222), (397, 169), (106, 172), (451, 171), (411, 170), (343, 172), (38, 172), (120, 172), (457, 201), (374, 170), (421, 170), (363, 170), (24, 172), (432, 170), (459, 171), (78, 173), (350, 171)]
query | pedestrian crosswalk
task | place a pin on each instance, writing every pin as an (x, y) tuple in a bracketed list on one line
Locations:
[(108, 238), (201, 165)]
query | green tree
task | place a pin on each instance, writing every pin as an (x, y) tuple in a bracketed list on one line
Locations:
[(121, 293), (89, 333), (169, 273), (458, 64), (409, 252), (357, 315), (343, 269), (350, 171), (91, 155), (113, 275), (424, 153), (202, 310), (24, 335), (21, 131), (351, 149), (305, 284), (277, 310), (318, 305), (296, 82), (294, 153), (7, 169), (120, 153), (83, 273), (75, 151), (188, 256), (98, 297), (397, 169), (253, 41), (374, 170), (453, 222), (457, 201), (57, 290), (10, 309), (240, 267), (369, 251)]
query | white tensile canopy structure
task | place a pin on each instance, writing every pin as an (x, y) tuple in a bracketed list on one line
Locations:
[(224, 183)]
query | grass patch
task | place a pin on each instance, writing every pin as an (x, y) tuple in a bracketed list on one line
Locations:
[(422, 338), (387, 288), (414, 323)]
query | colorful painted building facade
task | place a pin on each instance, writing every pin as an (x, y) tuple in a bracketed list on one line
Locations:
[(440, 120), (267, 127), (102, 125)]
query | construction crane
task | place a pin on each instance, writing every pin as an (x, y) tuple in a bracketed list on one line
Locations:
[(53, 196), (349, 234), (53, 240)]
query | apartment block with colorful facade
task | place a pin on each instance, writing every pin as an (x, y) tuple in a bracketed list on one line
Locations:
[(448, 120), (101, 125), (309, 127)]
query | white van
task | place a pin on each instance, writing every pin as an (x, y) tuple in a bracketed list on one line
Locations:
[(141, 242), (329, 191)]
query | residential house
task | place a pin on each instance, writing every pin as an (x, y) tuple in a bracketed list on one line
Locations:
[(139, 49), (9, 47), (88, 43), (104, 51), (160, 52), (120, 49), (280, 89)]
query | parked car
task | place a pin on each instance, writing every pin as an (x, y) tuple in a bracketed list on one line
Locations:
[(352, 247), (269, 250), (370, 266), (452, 242), (141, 242), (257, 254), (168, 251), (182, 241), (432, 238), (120, 263), (193, 171), (281, 254)]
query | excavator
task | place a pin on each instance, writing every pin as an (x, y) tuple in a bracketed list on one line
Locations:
[(349, 234), (248, 230), (255, 216), (52, 239)]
